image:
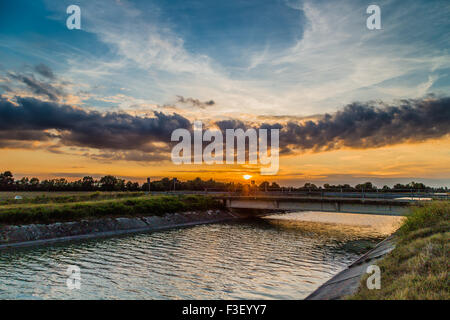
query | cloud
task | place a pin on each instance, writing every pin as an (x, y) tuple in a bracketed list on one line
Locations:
[(78, 127), (45, 71), (231, 124), (195, 102), (362, 125), (25, 135), (6, 88), (371, 125), (121, 136), (153, 59), (39, 87), (158, 154)]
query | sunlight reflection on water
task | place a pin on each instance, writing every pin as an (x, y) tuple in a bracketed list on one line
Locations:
[(344, 224)]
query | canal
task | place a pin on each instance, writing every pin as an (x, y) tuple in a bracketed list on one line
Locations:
[(279, 257)]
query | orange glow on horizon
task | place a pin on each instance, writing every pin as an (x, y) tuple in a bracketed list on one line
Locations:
[(427, 160)]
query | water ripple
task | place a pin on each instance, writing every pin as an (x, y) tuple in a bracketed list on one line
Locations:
[(245, 260)]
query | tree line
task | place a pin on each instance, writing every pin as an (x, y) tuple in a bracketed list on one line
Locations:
[(112, 183)]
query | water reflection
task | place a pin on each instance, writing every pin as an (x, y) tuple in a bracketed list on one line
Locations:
[(253, 259), (343, 225)]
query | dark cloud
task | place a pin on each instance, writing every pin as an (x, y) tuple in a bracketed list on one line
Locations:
[(77, 127), (45, 71), (11, 144), (366, 125), (238, 124), (25, 135), (195, 102), (6, 88), (362, 125), (121, 136), (134, 155), (39, 87), (231, 124)]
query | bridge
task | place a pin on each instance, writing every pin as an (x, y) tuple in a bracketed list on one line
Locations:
[(378, 203), (393, 207)]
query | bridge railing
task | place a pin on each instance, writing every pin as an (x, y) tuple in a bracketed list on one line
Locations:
[(398, 194)]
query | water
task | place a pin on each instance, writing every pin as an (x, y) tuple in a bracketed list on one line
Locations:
[(254, 259)]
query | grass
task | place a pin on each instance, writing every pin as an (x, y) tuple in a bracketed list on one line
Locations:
[(7, 198), (418, 266), (132, 206)]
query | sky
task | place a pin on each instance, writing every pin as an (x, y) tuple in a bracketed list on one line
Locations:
[(352, 104)]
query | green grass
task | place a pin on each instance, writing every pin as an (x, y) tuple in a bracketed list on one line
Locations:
[(133, 206), (7, 198), (418, 266)]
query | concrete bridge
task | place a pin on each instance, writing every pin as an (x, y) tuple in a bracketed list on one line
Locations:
[(393, 207)]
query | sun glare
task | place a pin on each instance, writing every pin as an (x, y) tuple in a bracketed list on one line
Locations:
[(247, 176)]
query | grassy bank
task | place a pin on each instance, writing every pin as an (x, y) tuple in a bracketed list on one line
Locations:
[(418, 267), (48, 212), (7, 198)]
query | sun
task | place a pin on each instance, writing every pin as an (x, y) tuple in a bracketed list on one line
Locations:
[(247, 176)]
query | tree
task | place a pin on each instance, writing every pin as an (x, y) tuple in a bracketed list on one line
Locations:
[(275, 186), (399, 186), (6, 180), (34, 184), (108, 183), (133, 186), (22, 184), (87, 183), (264, 186), (311, 186), (368, 186)]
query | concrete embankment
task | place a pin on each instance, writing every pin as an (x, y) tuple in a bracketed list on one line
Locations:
[(35, 234), (347, 281)]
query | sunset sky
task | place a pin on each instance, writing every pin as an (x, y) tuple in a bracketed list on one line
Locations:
[(352, 104)]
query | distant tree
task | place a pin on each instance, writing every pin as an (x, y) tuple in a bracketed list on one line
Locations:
[(264, 186), (399, 186), (34, 184), (111, 183), (309, 186), (275, 186), (22, 184), (108, 183), (368, 186), (87, 183), (6, 180), (132, 186), (416, 186), (120, 185)]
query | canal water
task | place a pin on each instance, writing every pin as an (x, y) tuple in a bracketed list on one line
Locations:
[(279, 257)]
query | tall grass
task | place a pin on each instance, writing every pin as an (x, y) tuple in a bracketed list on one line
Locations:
[(418, 266), (137, 206), (434, 214)]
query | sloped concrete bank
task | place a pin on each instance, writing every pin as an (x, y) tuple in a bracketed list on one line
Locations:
[(347, 281), (35, 234)]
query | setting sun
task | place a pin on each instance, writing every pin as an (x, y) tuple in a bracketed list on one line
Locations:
[(247, 176)]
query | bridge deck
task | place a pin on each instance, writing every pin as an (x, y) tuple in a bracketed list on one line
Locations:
[(400, 202), (328, 204)]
